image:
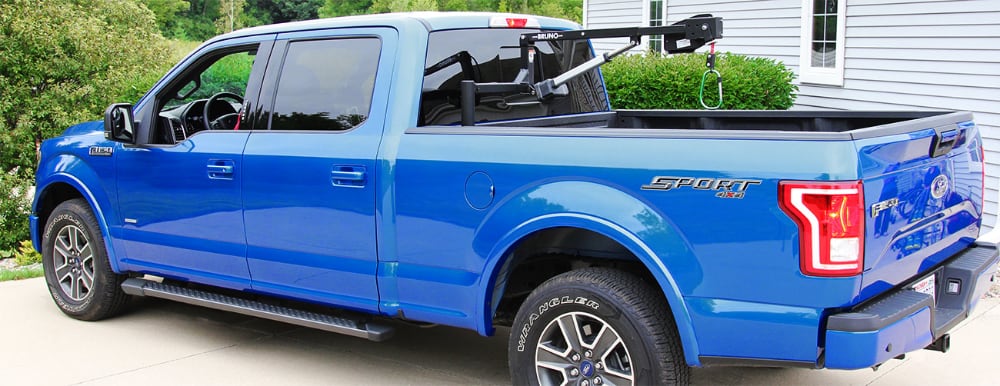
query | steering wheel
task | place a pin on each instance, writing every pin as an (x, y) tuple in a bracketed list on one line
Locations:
[(225, 121)]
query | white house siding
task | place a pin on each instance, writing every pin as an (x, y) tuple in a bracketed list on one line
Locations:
[(612, 14), (751, 27), (900, 55), (923, 55)]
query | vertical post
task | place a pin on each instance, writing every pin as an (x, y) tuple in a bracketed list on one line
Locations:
[(468, 100)]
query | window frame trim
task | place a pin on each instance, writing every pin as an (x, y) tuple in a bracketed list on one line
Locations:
[(821, 75)]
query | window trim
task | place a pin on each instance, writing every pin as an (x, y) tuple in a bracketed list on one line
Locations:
[(821, 75)]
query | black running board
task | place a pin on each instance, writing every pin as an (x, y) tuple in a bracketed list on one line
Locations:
[(340, 325)]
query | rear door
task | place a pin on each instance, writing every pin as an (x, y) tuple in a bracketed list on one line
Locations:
[(309, 178), (923, 195)]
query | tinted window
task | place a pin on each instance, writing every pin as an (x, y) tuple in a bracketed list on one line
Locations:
[(494, 56), (326, 84)]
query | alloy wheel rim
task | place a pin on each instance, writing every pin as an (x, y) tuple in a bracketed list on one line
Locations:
[(578, 348), (73, 259)]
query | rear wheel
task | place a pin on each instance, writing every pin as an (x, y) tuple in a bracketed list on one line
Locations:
[(595, 327), (76, 265)]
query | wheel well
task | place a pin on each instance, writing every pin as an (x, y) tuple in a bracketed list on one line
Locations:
[(51, 197), (551, 252)]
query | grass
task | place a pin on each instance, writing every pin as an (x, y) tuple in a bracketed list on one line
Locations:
[(19, 273)]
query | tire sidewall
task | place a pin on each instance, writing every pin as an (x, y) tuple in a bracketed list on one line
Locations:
[(68, 214), (551, 303)]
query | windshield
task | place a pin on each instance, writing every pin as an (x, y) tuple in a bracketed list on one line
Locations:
[(493, 55)]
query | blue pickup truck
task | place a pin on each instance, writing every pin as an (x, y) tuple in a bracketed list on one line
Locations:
[(466, 169)]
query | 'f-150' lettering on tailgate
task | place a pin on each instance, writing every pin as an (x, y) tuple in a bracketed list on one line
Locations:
[(726, 186)]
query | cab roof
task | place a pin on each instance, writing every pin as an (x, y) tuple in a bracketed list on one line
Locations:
[(431, 21)]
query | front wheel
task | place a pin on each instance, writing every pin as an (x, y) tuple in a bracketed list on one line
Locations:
[(76, 264), (595, 327)]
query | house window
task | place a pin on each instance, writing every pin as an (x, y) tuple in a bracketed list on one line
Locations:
[(656, 11), (821, 59)]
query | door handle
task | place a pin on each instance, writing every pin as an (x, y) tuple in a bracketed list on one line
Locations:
[(221, 169), (348, 176), (943, 142)]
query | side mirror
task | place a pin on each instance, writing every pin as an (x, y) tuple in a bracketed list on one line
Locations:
[(119, 125)]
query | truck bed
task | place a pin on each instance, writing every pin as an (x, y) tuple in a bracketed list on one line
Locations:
[(797, 125), (600, 162)]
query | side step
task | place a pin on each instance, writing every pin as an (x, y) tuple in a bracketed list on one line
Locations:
[(340, 325)]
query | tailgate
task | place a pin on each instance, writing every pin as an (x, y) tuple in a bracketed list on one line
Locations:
[(923, 187)]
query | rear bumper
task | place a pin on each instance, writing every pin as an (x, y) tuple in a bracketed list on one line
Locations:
[(904, 320)]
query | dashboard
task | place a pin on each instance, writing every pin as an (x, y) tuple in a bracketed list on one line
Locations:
[(180, 122)]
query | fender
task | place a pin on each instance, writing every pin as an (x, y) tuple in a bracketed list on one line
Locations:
[(598, 207), (71, 170)]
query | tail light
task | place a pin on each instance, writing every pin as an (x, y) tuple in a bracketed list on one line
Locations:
[(831, 224), (982, 164)]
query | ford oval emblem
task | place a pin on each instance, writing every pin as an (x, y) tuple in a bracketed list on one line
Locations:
[(939, 186)]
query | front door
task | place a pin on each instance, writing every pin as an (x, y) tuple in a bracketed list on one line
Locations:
[(309, 178), (180, 191)]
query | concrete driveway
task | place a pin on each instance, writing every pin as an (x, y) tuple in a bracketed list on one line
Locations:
[(163, 343)]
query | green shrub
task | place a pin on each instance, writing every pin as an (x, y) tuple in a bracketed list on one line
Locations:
[(655, 81), (26, 254), (15, 205), (64, 61)]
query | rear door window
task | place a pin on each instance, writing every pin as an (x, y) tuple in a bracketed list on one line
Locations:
[(326, 85), (493, 55)]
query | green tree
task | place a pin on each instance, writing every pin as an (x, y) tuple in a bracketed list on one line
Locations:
[(230, 16), (196, 23), (334, 8), (282, 11), (63, 62), (165, 10), (563, 9), (383, 6), (453, 5), (483, 5)]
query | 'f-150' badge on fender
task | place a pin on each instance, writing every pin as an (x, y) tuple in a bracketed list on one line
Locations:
[(726, 187), (103, 151)]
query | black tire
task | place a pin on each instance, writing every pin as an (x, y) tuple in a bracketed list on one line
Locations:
[(589, 301), (77, 270)]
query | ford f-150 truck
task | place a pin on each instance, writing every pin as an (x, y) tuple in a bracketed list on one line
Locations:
[(466, 169)]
